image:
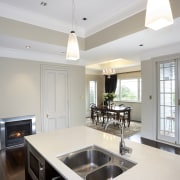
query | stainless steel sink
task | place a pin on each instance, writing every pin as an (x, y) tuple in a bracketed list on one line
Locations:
[(94, 162), (86, 160), (106, 172)]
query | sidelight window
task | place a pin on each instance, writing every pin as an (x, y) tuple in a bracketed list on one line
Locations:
[(92, 92)]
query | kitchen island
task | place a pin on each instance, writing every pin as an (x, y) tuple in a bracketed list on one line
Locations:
[(151, 163)]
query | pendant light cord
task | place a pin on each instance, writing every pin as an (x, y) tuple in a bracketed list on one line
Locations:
[(73, 13)]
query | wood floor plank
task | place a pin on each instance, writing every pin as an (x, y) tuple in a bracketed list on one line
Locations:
[(12, 164)]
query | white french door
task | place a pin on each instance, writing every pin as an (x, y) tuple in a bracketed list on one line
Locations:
[(55, 109), (168, 95)]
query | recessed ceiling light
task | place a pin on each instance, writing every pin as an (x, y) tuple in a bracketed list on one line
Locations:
[(43, 3), (28, 47)]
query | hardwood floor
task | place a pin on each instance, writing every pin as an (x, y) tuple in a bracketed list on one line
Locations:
[(12, 160), (12, 164)]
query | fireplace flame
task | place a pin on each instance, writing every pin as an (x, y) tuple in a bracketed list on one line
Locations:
[(16, 134)]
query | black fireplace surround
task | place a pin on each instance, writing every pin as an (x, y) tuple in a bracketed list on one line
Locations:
[(13, 130)]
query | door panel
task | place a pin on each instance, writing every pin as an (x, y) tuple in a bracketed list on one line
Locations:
[(50, 92), (55, 99), (61, 92)]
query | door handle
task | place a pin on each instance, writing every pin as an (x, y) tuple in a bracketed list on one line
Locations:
[(47, 115)]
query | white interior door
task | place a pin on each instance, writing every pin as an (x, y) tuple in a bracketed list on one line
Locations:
[(55, 99)]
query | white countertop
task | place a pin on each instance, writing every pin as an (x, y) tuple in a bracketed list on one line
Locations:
[(152, 163)]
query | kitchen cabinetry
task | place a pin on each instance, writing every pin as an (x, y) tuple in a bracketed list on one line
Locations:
[(37, 168)]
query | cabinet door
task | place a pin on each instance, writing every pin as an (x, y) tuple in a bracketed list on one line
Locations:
[(51, 173)]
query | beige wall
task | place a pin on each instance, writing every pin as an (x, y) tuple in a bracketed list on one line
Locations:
[(20, 90), (77, 95), (148, 129)]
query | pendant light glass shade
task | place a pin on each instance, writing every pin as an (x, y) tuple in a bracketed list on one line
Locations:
[(158, 14), (72, 52), (72, 47)]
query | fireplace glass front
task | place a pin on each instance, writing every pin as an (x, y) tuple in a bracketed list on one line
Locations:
[(13, 130)]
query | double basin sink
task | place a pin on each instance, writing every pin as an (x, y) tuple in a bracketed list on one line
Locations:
[(93, 163)]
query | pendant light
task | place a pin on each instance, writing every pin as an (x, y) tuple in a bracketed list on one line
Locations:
[(158, 14), (72, 46)]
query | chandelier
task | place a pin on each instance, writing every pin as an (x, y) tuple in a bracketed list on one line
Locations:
[(109, 72)]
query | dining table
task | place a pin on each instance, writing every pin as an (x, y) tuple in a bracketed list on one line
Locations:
[(121, 112)]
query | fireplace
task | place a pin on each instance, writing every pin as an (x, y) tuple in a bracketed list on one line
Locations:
[(13, 130)]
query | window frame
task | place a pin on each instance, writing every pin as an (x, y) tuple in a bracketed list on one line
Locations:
[(139, 89)]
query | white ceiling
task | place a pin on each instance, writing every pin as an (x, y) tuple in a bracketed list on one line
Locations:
[(100, 15), (57, 14)]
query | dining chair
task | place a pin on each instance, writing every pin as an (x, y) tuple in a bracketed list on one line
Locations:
[(95, 113), (112, 115), (125, 117)]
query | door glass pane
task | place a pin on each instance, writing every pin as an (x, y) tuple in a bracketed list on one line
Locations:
[(161, 99), (167, 99), (162, 86)]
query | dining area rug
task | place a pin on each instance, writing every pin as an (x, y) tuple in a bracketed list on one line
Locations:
[(135, 127)]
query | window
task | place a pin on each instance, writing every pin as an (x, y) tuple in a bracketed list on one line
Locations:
[(128, 89), (92, 92)]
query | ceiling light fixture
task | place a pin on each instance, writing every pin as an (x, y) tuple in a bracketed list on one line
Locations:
[(158, 14), (109, 72), (28, 46), (72, 46), (43, 3)]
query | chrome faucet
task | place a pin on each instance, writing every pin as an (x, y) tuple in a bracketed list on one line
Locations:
[(123, 149)]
